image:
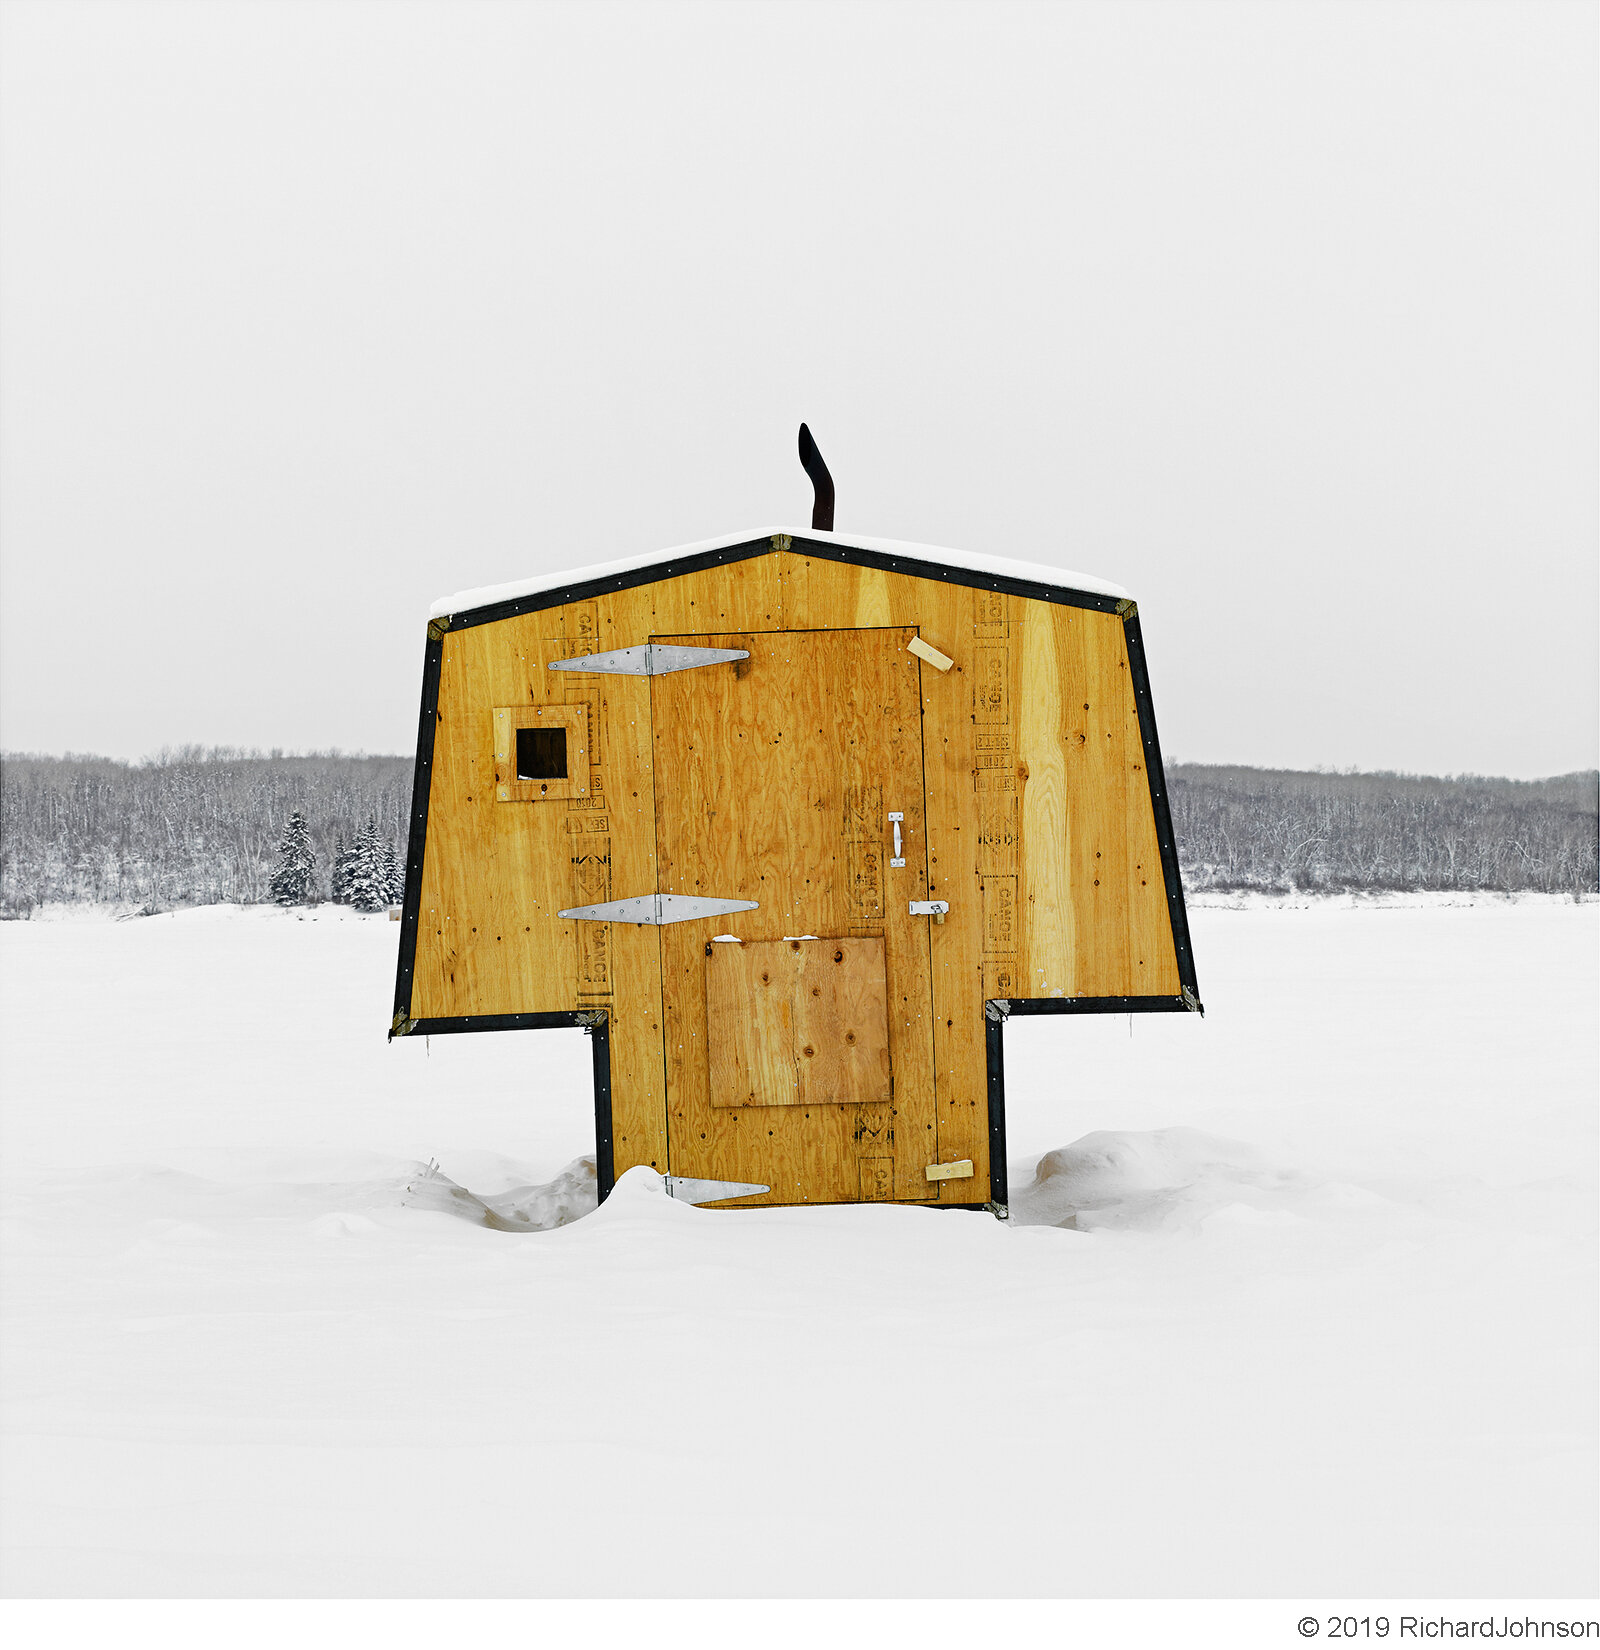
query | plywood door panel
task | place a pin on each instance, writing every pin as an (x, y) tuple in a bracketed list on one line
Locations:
[(798, 1022), (774, 779)]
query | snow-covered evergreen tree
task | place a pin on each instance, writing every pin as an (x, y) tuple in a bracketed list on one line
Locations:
[(393, 873), (345, 855), (369, 878), (294, 878)]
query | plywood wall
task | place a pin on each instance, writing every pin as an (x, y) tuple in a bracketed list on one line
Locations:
[(1040, 829)]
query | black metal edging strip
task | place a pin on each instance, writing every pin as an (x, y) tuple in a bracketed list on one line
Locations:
[(421, 786), (1166, 838), (940, 572), (584, 589), (604, 1162), (994, 1029), (1099, 1005), (445, 1023), (911, 566)]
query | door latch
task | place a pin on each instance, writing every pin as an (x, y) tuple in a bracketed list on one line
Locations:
[(935, 908), (899, 847)]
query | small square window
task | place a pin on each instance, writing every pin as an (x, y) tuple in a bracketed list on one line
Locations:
[(541, 753)]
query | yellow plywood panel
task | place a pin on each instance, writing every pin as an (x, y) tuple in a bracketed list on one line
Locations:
[(797, 1022), (1091, 897)]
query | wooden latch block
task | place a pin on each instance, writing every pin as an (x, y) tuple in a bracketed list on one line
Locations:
[(950, 1171), (931, 654)]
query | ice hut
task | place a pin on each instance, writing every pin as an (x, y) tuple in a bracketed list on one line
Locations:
[(791, 821)]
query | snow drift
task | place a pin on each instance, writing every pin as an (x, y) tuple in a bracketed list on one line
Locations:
[(1120, 1178)]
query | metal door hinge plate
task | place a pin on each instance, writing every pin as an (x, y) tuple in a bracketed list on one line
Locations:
[(649, 660), (657, 910), (688, 1190)]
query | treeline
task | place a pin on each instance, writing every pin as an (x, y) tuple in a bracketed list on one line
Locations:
[(187, 827), (198, 827), (1278, 831)]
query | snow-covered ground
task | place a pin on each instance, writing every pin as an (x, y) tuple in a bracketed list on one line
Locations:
[(1320, 1321)]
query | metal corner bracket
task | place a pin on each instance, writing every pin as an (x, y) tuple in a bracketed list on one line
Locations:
[(997, 1008), (437, 628), (401, 1026)]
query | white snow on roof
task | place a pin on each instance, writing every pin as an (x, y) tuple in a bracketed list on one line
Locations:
[(465, 600)]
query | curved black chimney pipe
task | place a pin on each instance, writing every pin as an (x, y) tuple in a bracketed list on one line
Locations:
[(821, 481)]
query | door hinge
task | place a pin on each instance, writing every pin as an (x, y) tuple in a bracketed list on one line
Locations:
[(657, 910), (688, 1190), (649, 660)]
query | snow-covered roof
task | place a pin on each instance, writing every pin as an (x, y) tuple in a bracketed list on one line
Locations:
[(490, 595)]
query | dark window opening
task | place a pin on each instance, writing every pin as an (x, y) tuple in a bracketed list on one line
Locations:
[(541, 753)]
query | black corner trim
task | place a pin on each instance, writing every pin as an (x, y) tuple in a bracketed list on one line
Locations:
[(445, 1024), (1102, 1005), (1177, 913), (604, 1161), (416, 842), (825, 550), (994, 1048), (595, 1021)]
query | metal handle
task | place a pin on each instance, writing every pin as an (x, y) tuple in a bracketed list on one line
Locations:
[(899, 850)]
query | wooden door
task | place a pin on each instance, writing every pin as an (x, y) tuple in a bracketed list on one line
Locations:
[(799, 1053)]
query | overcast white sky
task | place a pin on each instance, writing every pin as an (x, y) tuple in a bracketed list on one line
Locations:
[(1282, 315)]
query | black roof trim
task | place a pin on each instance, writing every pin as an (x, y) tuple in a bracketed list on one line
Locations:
[(822, 549)]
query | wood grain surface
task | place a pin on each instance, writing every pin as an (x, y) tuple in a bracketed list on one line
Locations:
[(797, 1022)]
